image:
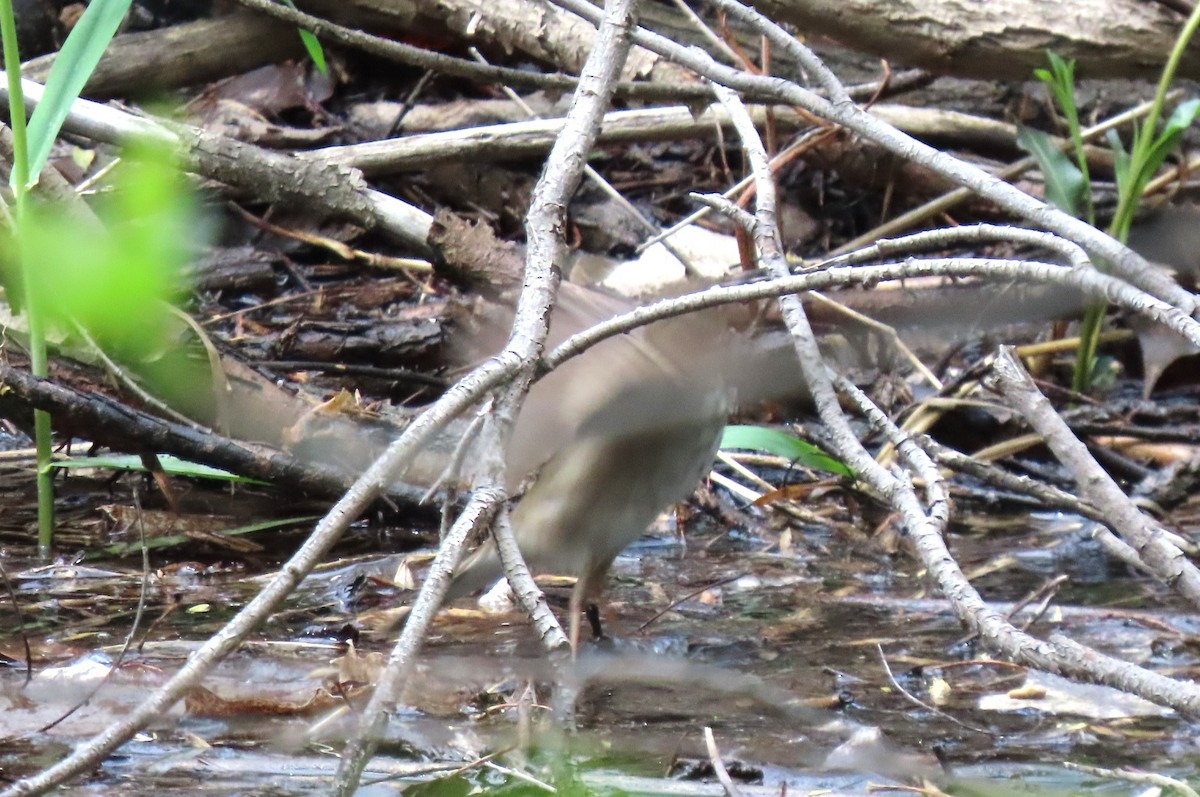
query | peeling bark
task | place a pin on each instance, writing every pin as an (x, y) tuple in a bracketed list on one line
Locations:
[(997, 40)]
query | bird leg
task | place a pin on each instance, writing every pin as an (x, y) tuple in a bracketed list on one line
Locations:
[(592, 613), (582, 595), (575, 610)]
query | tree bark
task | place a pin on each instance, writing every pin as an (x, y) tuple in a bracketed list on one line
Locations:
[(1003, 40)]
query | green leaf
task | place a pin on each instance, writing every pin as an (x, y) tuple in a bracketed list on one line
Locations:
[(311, 44), (1064, 70), (782, 444), (170, 465), (1182, 117), (72, 67), (1065, 184), (1168, 139), (1060, 79)]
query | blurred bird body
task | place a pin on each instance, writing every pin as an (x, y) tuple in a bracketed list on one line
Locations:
[(624, 431), (598, 494)]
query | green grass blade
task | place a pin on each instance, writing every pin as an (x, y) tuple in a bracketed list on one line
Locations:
[(1121, 160), (311, 44), (315, 52), (782, 444), (170, 465), (74, 65)]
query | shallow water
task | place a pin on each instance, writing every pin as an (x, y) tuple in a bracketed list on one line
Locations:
[(779, 652)]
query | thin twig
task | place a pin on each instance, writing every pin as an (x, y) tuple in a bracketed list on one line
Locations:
[(714, 758), (916, 701), (1144, 534)]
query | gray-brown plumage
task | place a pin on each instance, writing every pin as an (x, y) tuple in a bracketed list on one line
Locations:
[(625, 431)]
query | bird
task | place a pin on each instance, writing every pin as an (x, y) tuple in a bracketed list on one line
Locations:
[(617, 436)]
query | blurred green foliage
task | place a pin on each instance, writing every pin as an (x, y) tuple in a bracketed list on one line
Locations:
[(115, 280)]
